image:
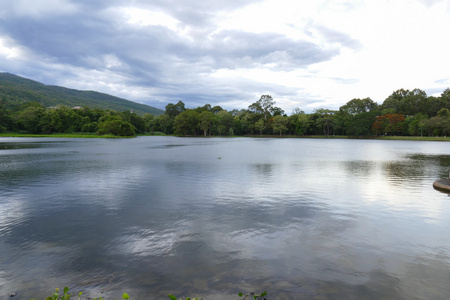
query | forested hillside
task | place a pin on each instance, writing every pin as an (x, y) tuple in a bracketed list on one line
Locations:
[(16, 90)]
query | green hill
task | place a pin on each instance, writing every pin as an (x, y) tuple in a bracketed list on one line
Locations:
[(16, 90)]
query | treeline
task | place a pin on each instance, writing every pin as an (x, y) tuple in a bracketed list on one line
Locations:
[(404, 112), (32, 117)]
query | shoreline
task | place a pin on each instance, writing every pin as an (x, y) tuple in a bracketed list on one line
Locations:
[(81, 135), (63, 135), (393, 138)]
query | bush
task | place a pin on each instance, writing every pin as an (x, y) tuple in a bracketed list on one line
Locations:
[(115, 125)]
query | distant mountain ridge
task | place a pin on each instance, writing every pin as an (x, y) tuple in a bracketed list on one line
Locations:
[(16, 90)]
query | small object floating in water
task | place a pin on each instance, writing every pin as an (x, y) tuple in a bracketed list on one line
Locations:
[(13, 294), (219, 157)]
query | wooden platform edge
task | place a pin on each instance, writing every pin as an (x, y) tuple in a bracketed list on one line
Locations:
[(442, 185)]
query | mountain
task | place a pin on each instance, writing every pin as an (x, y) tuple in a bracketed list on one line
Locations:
[(16, 90)]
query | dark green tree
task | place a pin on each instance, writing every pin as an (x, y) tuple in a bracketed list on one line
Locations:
[(414, 124), (260, 125), (164, 123), (325, 121), (205, 121), (6, 122), (29, 117), (114, 124), (267, 103), (279, 124), (356, 117), (173, 110), (223, 122), (149, 121), (216, 109), (406, 102), (186, 123), (135, 120)]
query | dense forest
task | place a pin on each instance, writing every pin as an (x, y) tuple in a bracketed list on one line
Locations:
[(404, 112)]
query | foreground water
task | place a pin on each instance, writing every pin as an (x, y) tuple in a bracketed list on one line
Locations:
[(300, 218)]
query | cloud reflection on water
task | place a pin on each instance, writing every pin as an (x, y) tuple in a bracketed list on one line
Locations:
[(334, 223)]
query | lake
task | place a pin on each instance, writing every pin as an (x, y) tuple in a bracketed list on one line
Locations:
[(211, 217)]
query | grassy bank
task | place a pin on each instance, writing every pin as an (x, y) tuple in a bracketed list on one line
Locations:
[(397, 138), (156, 133), (405, 138), (75, 135), (416, 138), (60, 135)]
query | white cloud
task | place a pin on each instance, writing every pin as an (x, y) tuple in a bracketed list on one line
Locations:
[(145, 17), (9, 50), (402, 48), (111, 61), (306, 54)]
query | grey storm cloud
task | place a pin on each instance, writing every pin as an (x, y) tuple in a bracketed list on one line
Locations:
[(72, 40), (93, 35), (238, 47)]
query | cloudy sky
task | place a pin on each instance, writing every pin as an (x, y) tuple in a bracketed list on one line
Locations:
[(306, 54)]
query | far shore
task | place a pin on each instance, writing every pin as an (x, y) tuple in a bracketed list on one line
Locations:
[(86, 135), (369, 137)]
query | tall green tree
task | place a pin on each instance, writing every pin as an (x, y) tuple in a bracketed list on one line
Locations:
[(135, 120), (205, 121), (413, 103), (298, 122), (223, 121), (414, 124), (186, 123), (432, 106), (29, 117), (445, 98), (6, 122), (216, 109), (279, 124), (173, 110), (149, 121), (356, 117), (361, 124), (325, 121), (357, 106), (393, 101), (242, 122), (263, 106), (260, 126), (164, 123), (406, 102)]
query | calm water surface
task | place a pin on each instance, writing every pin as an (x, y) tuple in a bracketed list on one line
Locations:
[(300, 218)]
